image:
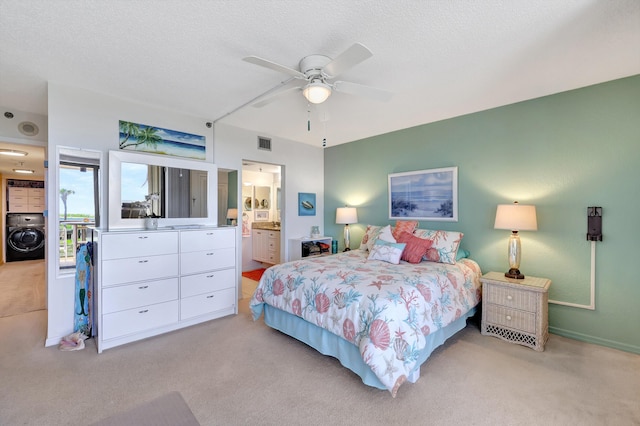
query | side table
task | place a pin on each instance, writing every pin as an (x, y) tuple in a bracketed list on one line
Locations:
[(516, 310)]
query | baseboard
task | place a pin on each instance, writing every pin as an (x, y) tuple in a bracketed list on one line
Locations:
[(595, 340)]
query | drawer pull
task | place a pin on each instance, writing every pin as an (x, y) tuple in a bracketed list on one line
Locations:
[(142, 261), (210, 296), (508, 317), (143, 312), (210, 233), (143, 287), (509, 297), (210, 254), (210, 276), (142, 237)]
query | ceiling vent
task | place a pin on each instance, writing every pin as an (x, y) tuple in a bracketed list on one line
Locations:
[(264, 143)]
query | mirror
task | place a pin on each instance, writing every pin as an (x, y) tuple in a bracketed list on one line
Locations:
[(227, 197), (248, 201), (172, 189), (262, 198)]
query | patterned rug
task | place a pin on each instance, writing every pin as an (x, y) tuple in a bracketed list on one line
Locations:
[(254, 275)]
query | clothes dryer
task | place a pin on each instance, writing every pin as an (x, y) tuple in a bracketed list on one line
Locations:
[(25, 236)]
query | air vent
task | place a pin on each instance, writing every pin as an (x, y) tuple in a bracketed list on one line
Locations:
[(264, 143)]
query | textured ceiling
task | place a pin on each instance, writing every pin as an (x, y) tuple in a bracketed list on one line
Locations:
[(440, 58)]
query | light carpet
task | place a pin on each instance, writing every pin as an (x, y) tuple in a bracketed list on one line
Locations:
[(234, 371), (22, 287)]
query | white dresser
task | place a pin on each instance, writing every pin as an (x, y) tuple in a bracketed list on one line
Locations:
[(151, 282)]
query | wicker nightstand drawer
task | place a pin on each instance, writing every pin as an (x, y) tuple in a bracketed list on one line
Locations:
[(513, 298), (512, 318), (515, 310)]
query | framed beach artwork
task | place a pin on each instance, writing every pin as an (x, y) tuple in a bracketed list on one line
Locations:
[(306, 204), (424, 195), (156, 140)]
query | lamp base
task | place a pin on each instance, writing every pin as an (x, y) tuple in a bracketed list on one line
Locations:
[(514, 273), (347, 249)]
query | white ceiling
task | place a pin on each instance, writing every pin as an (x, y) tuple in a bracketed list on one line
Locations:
[(440, 58)]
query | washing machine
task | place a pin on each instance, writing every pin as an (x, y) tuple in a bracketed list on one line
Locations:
[(25, 236)]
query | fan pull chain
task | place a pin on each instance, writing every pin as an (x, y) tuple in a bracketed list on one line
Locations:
[(308, 118)]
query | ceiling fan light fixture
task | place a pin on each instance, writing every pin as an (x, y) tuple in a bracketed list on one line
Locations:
[(317, 92)]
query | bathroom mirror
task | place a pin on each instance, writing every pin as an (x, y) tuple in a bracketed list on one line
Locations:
[(172, 189), (262, 198), (227, 197)]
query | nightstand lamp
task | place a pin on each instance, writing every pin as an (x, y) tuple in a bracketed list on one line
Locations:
[(516, 217), (346, 216), (232, 215)]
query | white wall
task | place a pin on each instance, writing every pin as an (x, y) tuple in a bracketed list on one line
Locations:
[(84, 119), (80, 118), (302, 171)]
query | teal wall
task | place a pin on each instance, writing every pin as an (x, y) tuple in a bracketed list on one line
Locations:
[(562, 153)]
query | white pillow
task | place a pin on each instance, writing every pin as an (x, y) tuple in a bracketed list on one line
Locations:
[(387, 252), (386, 235)]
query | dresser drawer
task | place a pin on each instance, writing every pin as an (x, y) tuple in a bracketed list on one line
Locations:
[(19, 199), (207, 282), (512, 298), (207, 239), (120, 298), (119, 271), (120, 246), (18, 191), (18, 207), (139, 319), (202, 261), (512, 318), (207, 303)]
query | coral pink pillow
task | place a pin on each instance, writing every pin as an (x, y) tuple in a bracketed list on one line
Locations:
[(444, 246), (416, 247), (404, 226)]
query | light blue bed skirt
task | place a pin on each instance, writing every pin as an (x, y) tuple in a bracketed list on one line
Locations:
[(347, 353)]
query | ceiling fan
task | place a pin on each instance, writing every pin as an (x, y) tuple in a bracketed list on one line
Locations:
[(315, 74)]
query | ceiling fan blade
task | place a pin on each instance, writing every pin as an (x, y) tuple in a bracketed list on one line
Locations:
[(347, 59), (273, 66), (275, 93), (361, 90)]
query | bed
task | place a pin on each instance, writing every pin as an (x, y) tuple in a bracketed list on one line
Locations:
[(381, 320)]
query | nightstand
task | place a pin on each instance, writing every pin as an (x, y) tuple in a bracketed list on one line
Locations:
[(516, 310)]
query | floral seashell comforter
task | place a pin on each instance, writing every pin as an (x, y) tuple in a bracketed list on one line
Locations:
[(386, 310)]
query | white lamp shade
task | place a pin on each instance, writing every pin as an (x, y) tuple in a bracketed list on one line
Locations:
[(346, 215), (516, 217), (232, 214), (317, 92)]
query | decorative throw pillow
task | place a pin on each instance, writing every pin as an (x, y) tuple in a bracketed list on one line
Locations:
[(386, 235), (462, 254), (404, 226), (416, 247), (370, 235), (387, 252), (444, 246)]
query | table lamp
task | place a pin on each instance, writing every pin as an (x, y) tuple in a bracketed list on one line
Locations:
[(232, 214), (516, 217), (346, 216)]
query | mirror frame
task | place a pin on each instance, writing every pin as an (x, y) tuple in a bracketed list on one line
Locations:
[(116, 158)]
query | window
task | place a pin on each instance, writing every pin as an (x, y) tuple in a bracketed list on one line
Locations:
[(78, 194)]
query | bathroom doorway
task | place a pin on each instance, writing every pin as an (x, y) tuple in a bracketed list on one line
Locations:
[(260, 206)]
